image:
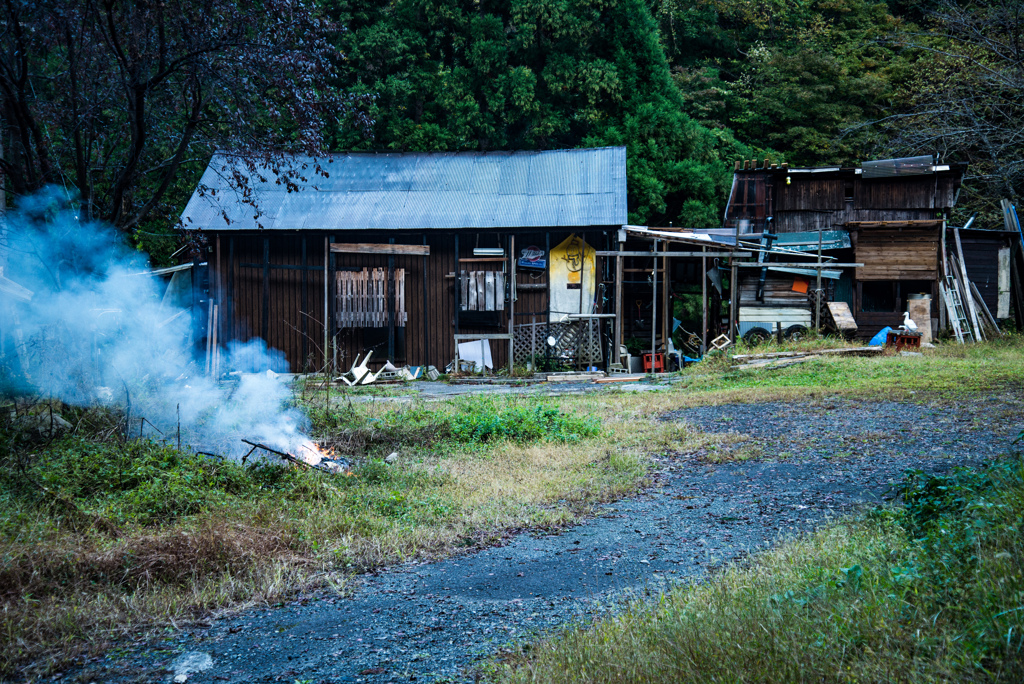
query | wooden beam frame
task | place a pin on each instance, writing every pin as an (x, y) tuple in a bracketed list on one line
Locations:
[(697, 255), (812, 265), (373, 248)]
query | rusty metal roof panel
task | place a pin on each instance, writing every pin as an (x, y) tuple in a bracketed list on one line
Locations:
[(418, 191)]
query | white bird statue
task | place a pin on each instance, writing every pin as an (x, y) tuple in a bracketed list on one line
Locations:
[(908, 323)]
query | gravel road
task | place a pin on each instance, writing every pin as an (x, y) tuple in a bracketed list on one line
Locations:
[(432, 622)]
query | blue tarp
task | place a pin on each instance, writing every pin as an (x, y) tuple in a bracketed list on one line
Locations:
[(879, 339)]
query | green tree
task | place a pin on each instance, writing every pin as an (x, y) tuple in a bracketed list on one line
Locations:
[(536, 74), (112, 100), (790, 75), (964, 100)]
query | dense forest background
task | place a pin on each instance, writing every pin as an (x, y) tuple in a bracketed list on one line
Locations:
[(688, 86)]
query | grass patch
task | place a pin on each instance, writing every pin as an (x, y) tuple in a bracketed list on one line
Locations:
[(100, 538), (947, 371), (933, 592), (462, 424)]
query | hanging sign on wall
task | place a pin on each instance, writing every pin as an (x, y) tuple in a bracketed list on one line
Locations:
[(532, 257)]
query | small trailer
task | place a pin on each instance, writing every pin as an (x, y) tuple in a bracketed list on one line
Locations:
[(759, 324)]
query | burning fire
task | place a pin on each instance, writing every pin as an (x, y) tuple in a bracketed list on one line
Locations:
[(312, 454)]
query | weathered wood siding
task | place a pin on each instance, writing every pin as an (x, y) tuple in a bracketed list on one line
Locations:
[(829, 200), (825, 194), (897, 254), (292, 322), (289, 327)]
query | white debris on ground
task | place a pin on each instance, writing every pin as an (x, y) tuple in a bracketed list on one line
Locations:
[(188, 663)]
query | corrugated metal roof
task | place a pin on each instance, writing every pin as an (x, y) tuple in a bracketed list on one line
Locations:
[(422, 191)]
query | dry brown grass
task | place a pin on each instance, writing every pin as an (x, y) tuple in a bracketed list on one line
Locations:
[(76, 595), (70, 591)]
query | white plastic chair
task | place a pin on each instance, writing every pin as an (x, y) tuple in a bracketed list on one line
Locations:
[(358, 372)]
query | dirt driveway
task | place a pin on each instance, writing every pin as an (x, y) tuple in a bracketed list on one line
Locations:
[(432, 622)]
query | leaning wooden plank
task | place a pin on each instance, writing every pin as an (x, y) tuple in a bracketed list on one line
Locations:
[(489, 291), (481, 290), (845, 351), (9, 287), (371, 248), (843, 317), (771, 365), (1008, 223), (989, 318), (1003, 283), (608, 381)]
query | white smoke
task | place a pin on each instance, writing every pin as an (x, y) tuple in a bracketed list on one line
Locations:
[(96, 331)]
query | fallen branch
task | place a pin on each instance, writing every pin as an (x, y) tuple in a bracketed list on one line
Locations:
[(772, 364), (284, 455)]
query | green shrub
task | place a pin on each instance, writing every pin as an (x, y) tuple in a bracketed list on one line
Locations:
[(482, 421), (467, 423), (139, 482)]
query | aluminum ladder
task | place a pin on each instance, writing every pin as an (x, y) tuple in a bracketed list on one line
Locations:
[(957, 315)]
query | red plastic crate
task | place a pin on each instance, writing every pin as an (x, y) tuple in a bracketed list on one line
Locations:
[(659, 363)]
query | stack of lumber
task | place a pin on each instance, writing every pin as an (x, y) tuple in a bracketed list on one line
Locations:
[(573, 376)]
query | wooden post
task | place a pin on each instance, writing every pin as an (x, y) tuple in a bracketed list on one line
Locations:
[(304, 314), (511, 302), (331, 304), (458, 296), (704, 302), (327, 290), (265, 323), (533, 342), (209, 335), (944, 272), (817, 294), (220, 275), (426, 316), (665, 303), (231, 289), (614, 356), (583, 272), (733, 299), (215, 362), (547, 307), (391, 303), (654, 307)]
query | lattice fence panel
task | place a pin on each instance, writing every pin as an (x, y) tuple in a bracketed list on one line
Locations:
[(573, 342)]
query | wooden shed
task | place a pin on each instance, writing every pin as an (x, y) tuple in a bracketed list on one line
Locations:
[(403, 253), (894, 212)]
